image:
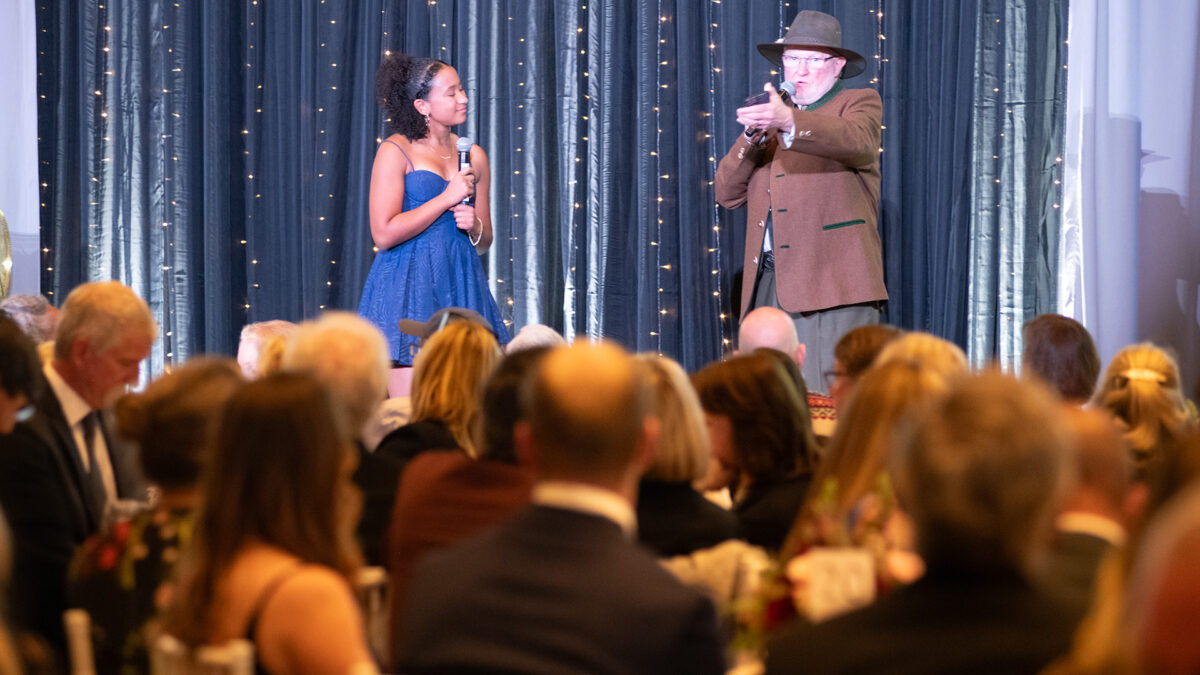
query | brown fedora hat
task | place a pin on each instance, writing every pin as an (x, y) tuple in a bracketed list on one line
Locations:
[(815, 30)]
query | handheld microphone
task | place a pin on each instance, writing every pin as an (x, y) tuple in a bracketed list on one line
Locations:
[(464, 159), (786, 90)]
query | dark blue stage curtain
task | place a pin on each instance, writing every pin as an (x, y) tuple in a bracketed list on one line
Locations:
[(216, 155)]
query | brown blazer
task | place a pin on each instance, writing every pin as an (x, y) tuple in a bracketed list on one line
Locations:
[(824, 193)]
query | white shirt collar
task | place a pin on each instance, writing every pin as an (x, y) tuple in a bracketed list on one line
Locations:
[(587, 499), (1090, 523), (73, 406)]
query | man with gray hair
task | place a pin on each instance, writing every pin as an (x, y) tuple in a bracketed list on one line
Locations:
[(981, 474), (254, 337), (61, 470)]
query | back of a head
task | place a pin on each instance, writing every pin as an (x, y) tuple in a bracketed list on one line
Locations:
[(261, 346), (279, 476), (768, 327), (772, 430), (279, 461), (174, 419), (586, 408), (448, 378), (1163, 594), (37, 318), (1060, 351), (1102, 461), (104, 312), (19, 364), (857, 349), (1141, 387), (682, 451), (501, 404), (926, 350), (349, 356), (885, 397), (982, 472), (533, 336)]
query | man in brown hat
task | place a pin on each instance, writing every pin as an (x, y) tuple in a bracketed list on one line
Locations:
[(809, 173)]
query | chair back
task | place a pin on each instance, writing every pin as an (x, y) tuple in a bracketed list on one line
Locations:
[(370, 587), (78, 625), (169, 656)]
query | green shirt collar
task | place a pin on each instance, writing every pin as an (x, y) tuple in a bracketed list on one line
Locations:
[(833, 91)]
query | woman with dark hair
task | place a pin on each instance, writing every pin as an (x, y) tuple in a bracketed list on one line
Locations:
[(20, 375), (121, 576), (429, 218), (760, 429), (273, 551)]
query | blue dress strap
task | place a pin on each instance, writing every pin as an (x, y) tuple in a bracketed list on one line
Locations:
[(410, 164)]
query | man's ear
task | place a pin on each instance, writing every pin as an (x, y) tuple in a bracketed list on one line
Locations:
[(523, 444), (801, 352), (80, 349)]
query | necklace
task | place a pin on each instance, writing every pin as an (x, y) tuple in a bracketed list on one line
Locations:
[(432, 147)]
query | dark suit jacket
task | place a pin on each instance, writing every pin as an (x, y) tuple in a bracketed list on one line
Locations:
[(1071, 565), (673, 519), (941, 624), (822, 195), (43, 493), (554, 591)]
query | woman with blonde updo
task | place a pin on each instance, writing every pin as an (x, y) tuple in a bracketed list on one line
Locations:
[(1141, 388)]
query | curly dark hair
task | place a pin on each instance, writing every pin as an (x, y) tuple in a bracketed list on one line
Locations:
[(400, 80)]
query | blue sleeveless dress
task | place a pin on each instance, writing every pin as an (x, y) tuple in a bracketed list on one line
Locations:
[(438, 268)]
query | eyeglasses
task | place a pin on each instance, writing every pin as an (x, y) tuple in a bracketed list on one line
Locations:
[(831, 376), (810, 61)]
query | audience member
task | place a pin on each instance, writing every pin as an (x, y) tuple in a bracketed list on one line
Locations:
[(121, 575), (1101, 644), (1060, 351), (273, 550), (981, 473), (1141, 387), (34, 314), (772, 328), (533, 336), (928, 351), (673, 519), (255, 336), (1163, 600), (10, 658), (760, 431), (349, 356), (20, 376), (446, 497), (1092, 521), (852, 499), (60, 470), (853, 354), (561, 587)]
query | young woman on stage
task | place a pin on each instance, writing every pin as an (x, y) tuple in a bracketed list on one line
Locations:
[(429, 215)]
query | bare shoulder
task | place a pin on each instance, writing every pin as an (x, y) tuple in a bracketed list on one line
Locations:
[(478, 154)]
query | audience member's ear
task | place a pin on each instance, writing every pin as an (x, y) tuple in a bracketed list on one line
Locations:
[(801, 352), (523, 444), (1135, 502)]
